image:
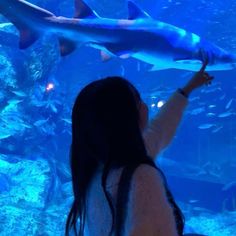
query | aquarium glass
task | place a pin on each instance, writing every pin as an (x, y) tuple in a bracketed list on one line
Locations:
[(38, 87)]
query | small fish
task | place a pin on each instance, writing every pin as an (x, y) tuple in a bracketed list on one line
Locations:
[(226, 114), (223, 97), (197, 111), (217, 129), (40, 122), (38, 103), (14, 101), (19, 93), (230, 188), (206, 126), (210, 114), (49, 129), (229, 104), (194, 99), (200, 209), (26, 126), (66, 131), (68, 121), (229, 185), (210, 90), (64, 170), (211, 106), (193, 201), (4, 136), (53, 107), (12, 106), (165, 7), (67, 188)]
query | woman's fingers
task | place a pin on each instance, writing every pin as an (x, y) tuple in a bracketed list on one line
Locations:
[(209, 80), (207, 76), (203, 66), (205, 58)]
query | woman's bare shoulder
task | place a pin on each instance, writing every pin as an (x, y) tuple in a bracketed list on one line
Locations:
[(147, 174), (147, 185), (151, 213)]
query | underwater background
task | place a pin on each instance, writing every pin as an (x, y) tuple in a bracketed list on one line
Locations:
[(37, 91)]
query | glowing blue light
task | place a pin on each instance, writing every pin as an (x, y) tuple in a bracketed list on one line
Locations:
[(50, 86), (160, 104), (182, 32), (195, 39)]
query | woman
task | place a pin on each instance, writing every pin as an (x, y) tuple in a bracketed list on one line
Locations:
[(118, 190)]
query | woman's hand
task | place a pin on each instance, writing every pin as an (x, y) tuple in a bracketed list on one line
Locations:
[(199, 79)]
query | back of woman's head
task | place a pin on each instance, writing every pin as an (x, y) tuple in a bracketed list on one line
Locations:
[(105, 120)]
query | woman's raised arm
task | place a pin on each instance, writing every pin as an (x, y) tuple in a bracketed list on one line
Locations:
[(161, 129)]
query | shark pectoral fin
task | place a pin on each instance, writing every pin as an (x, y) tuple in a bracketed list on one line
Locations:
[(82, 10), (105, 56), (67, 46), (27, 37), (16, 11), (160, 67), (108, 51), (120, 51), (135, 12)]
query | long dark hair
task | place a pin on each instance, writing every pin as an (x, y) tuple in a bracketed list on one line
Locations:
[(105, 131)]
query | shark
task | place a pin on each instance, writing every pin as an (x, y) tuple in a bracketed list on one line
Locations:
[(139, 36)]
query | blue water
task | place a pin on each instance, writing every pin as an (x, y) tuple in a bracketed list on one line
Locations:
[(200, 163)]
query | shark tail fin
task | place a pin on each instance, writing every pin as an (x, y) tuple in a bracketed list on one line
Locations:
[(28, 34)]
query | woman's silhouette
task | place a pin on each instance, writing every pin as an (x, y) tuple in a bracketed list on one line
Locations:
[(118, 189)]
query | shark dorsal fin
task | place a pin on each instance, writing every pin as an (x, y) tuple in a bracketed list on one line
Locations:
[(67, 46), (27, 37), (136, 12), (82, 10)]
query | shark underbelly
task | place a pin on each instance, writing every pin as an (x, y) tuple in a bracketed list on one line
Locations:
[(155, 60), (170, 60)]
